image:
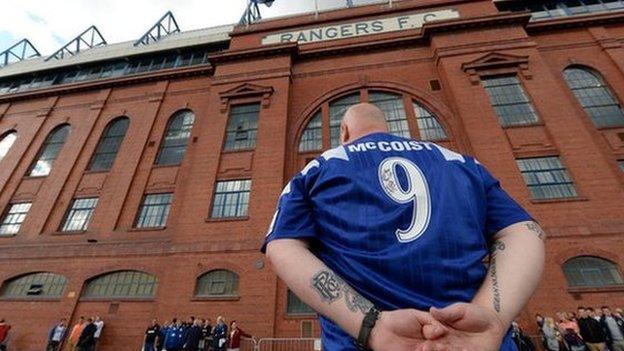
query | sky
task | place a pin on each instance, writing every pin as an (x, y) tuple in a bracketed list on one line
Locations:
[(50, 24)]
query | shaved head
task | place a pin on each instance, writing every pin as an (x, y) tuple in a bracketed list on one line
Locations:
[(360, 120)]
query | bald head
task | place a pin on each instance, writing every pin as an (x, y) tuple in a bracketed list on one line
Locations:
[(360, 120)]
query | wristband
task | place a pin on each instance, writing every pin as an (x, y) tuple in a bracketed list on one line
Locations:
[(367, 326)]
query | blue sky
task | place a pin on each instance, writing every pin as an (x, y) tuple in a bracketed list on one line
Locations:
[(49, 24)]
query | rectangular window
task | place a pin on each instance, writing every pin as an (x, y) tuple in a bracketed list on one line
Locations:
[(509, 101), (242, 127), (621, 163), (294, 305), (79, 214), (154, 211), (13, 218), (547, 178), (231, 199)]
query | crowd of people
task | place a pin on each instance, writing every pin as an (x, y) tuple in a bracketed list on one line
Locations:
[(587, 329), (193, 335), (84, 336)]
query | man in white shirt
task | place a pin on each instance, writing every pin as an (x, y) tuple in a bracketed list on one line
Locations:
[(56, 335), (99, 323)]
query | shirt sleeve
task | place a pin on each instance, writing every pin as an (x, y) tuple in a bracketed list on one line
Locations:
[(294, 218), (501, 210)]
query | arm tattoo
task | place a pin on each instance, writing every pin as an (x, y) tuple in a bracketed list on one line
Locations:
[(330, 288), (328, 285), (537, 230), (496, 297), (355, 301)]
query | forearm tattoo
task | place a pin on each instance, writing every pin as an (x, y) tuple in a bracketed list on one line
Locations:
[(537, 230), (331, 287), (496, 295)]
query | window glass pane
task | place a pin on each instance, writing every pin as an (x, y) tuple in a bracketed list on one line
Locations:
[(122, 284), (429, 127), (79, 214), (175, 141), (294, 305), (231, 198), (36, 285), (154, 211), (109, 145), (49, 151), (546, 178), (588, 271), (217, 283), (595, 97), (509, 101), (394, 111), (13, 218), (6, 141), (312, 137), (242, 127), (621, 163), (337, 109)]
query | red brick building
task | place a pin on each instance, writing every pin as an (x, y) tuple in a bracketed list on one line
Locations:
[(138, 181)]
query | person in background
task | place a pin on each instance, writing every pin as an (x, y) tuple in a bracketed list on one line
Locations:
[(4, 334), (591, 331), (99, 324), (193, 336), (220, 334), (618, 313), (591, 313), (152, 334), (75, 334), (207, 335), (86, 341), (174, 336), (614, 329), (56, 335), (569, 329), (523, 342), (568, 322), (597, 314), (160, 341), (550, 334), (235, 336)]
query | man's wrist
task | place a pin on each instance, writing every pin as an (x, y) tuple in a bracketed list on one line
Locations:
[(375, 334), (368, 324), (500, 325)]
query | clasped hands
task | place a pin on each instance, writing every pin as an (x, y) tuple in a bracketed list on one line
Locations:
[(458, 327)]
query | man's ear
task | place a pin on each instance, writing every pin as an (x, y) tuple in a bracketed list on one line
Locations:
[(344, 133)]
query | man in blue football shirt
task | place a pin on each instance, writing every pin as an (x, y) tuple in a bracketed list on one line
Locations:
[(386, 236)]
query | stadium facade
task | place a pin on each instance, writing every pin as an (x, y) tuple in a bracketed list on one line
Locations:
[(137, 179)]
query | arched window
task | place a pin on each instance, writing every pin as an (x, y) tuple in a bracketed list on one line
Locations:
[(589, 271), (428, 125), (49, 151), (6, 141), (219, 282), (396, 108), (337, 109), (34, 285), (175, 140), (595, 97), (109, 145), (312, 137), (122, 284)]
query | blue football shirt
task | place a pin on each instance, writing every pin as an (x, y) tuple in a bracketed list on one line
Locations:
[(406, 223)]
